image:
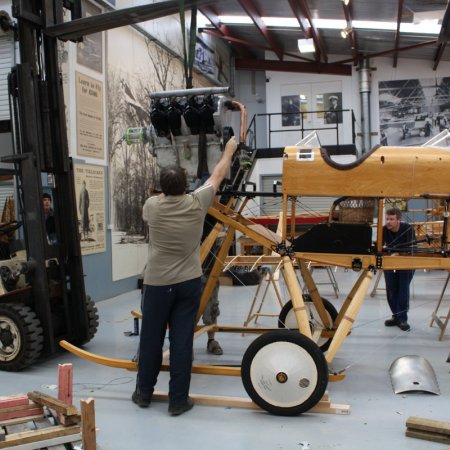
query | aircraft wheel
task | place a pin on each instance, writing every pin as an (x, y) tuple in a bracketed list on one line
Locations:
[(21, 336), (287, 318), (284, 372)]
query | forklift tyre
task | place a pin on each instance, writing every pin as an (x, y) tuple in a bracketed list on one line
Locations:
[(92, 318), (21, 337)]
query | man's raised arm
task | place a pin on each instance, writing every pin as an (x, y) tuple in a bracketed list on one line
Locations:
[(223, 166)]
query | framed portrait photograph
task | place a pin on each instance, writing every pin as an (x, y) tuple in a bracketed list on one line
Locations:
[(332, 105), (290, 110)]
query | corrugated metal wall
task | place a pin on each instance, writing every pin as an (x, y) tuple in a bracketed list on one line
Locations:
[(273, 205)]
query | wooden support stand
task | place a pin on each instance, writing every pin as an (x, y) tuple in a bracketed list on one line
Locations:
[(332, 279), (270, 278), (435, 315)]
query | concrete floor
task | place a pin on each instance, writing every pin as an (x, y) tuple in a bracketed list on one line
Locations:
[(377, 417)]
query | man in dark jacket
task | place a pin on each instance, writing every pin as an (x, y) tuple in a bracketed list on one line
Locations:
[(397, 236)]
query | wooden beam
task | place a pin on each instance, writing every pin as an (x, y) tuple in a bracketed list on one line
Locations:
[(224, 31), (324, 406), (65, 383), (250, 8), (75, 29), (300, 9), (88, 424), (53, 403), (42, 436), (397, 33), (352, 35), (439, 53), (388, 52), (14, 412)]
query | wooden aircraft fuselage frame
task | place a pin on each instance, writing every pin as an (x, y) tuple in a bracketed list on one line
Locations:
[(386, 172)]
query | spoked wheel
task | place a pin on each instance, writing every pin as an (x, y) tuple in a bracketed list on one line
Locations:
[(284, 372), (21, 336), (287, 319)]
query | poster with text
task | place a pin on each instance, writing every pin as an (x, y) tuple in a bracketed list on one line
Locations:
[(90, 118), (90, 195)]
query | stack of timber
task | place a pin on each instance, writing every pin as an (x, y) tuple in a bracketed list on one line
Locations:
[(37, 420), (428, 429)]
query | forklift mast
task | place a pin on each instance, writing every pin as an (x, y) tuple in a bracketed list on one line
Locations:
[(40, 144)]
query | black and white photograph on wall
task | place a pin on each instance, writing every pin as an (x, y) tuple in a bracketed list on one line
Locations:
[(90, 50), (413, 111), (290, 108), (332, 105)]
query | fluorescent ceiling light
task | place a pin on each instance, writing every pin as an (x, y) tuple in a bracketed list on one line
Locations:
[(288, 22), (374, 25), (236, 19), (421, 28), (306, 45), (334, 24), (330, 24)]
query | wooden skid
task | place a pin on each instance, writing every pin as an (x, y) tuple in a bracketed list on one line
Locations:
[(14, 412), (68, 434), (428, 436), (53, 403), (428, 429), (36, 431), (324, 406)]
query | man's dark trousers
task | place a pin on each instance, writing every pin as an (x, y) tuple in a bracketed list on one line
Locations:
[(174, 305), (397, 292)]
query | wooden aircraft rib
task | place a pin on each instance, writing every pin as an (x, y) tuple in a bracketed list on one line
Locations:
[(131, 365), (235, 222), (98, 359)]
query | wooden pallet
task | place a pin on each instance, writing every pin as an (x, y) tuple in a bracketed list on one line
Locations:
[(37, 420)]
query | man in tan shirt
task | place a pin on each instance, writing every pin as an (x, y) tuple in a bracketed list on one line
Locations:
[(172, 280)]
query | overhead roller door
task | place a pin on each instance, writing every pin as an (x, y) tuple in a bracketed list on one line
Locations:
[(273, 205), (6, 62)]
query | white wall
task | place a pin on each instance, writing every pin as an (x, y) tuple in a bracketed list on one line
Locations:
[(282, 83), (264, 97)]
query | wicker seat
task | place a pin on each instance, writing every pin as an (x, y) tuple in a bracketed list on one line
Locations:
[(352, 210)]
